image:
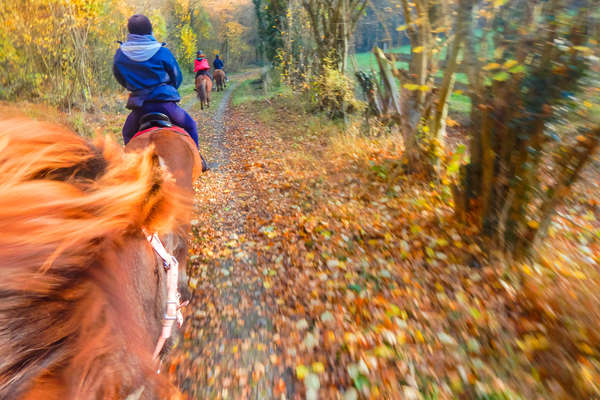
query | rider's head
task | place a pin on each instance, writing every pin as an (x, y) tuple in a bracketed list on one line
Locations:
[(217, 56), (139, 24), (200, 54)]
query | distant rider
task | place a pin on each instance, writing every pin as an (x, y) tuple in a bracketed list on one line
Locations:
[(218, 63), (201, 66), (149, 71)]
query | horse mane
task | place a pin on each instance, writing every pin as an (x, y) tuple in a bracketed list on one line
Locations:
[(67, 209)]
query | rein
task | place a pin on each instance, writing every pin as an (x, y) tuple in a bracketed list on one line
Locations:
[(173, 311)]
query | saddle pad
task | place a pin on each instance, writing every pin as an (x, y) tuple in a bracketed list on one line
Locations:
[(174, 128)]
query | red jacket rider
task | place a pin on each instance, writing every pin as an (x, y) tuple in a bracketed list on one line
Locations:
[(201, 66)]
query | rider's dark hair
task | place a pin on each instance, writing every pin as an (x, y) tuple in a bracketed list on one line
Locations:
[(139, 24)]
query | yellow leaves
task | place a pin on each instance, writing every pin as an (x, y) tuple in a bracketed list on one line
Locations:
[(419, 21), (429, 251), (419, 336), (584, 347), (509, 64), (531, 343), (395, 311), (318, 367), (574, 273), (526, 269), (401, 337), (232, 243), (587, 104), (401, 28), (418, 49), (301, 371), (452, 123), (193, 283), (384, 351), (589, 377), (582, 49), (350, 338), (414, 86), (533, 224), (267, 284), (268, 231), (491, 66)]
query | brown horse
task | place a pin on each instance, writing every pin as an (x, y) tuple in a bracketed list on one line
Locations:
[(203, 88), (220, 79), (179, 154), (82, 293)]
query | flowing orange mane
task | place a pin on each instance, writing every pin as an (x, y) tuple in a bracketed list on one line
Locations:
[(71, 214)]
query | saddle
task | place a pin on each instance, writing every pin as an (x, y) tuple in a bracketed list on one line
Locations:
[(154, 120), (160, 120)]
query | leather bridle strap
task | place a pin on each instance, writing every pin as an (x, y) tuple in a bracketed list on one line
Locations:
[(173, 311)]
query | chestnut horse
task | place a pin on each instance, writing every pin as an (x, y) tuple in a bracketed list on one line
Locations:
[(203, 88), (82, 293), (219, 79), (179, 154)]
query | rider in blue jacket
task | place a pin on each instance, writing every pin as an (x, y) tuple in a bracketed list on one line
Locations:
[(218, 63), (149, 71)]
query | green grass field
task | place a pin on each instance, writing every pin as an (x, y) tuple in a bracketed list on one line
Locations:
[(366, 62)]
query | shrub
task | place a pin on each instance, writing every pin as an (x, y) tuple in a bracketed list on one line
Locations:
[(333, 92)]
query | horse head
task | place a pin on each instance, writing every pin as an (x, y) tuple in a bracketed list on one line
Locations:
[(178, 155), (83, 293)]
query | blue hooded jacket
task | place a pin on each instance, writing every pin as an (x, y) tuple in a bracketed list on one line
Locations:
[(218, 63), (148, 70)]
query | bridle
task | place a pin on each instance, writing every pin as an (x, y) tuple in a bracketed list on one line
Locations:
[(173, 309)]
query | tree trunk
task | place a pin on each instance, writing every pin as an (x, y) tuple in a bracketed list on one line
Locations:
[(438, 128), (575, 162)]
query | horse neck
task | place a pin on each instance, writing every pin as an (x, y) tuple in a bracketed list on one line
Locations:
[(113, 322)]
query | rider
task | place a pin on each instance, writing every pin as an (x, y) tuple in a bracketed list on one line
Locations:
[(149, 71), (201, 66), (218, 63)]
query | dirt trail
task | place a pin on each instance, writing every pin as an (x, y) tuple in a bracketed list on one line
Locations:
[(219, 156), (224, 353)]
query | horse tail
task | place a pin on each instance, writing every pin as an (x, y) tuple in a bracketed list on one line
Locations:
[(202, 90)]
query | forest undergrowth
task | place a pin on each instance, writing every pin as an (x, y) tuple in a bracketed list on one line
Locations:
[(381, 293)]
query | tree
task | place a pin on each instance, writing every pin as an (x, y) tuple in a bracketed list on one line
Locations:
[(59, 51), (529, 68), (182, 35), (377, 27), (270, 15), (332, 23), (417, 105), (234, 47), (525, 68)]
